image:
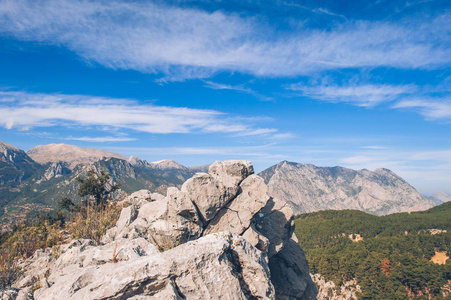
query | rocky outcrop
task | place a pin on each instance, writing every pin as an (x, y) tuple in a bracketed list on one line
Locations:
[(307, 188), (220, 266), (329, 291), (219, 237), (54, 170)]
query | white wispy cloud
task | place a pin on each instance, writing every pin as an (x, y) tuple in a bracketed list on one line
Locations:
[(227, 152), (259, 131), (191, 43), (280, 136), (222, 86), (433, 109), (48, 110), (238, 88), (365, 95), (101, 139), (319, 10), (434, 103), (374, 147)]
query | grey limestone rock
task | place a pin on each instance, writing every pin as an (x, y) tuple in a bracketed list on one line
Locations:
[(237, 215), (231, 172), (209, 194), (217, 266)]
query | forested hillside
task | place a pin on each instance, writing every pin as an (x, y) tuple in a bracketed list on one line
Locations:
[(389, 256)]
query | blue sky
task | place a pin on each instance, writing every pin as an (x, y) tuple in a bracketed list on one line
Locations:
[(361, 84)]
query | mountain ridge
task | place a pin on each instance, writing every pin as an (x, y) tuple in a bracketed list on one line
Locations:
[(308, 188), (440, 197), (71, 154), (15, 164)]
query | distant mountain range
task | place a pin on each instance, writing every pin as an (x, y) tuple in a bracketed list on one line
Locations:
[(34, 181), (308, 188), (440, 198)]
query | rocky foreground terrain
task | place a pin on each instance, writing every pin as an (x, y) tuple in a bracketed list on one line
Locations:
[(308, 188), (218, 237)]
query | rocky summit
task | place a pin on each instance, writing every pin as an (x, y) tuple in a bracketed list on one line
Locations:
[(308, 188), (218, 237), (70, 154)]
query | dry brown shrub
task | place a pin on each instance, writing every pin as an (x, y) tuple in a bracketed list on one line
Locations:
[(94, 223), (28, 238), (9, 270)]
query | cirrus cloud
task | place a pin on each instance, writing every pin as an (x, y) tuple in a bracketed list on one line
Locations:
[(186, 43), (28, 110)]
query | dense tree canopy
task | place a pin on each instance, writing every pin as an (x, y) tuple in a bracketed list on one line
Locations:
[(392, 261)]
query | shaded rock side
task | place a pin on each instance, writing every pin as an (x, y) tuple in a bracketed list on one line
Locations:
[(307, 188)]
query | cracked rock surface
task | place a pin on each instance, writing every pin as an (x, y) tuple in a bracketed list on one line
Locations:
[(219, 237)]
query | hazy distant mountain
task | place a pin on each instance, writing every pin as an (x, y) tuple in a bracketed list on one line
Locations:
[(307, 188), (71, 154), (440, 198)]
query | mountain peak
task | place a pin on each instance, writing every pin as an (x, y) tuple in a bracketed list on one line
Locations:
[(440, 197), (4, 146), (167, 164), (71, 154), (15, 164)]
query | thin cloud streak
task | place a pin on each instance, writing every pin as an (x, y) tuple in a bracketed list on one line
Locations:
[(221, 86), (191, 43), (432, 109), (49, 110), (366, 95), (430, 106), (102, 139), (238, 88), (234, 151)]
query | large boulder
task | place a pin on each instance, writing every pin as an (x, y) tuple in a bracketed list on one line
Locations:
[(236, 216), (167, 222), (231, 172), (209, 194)]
